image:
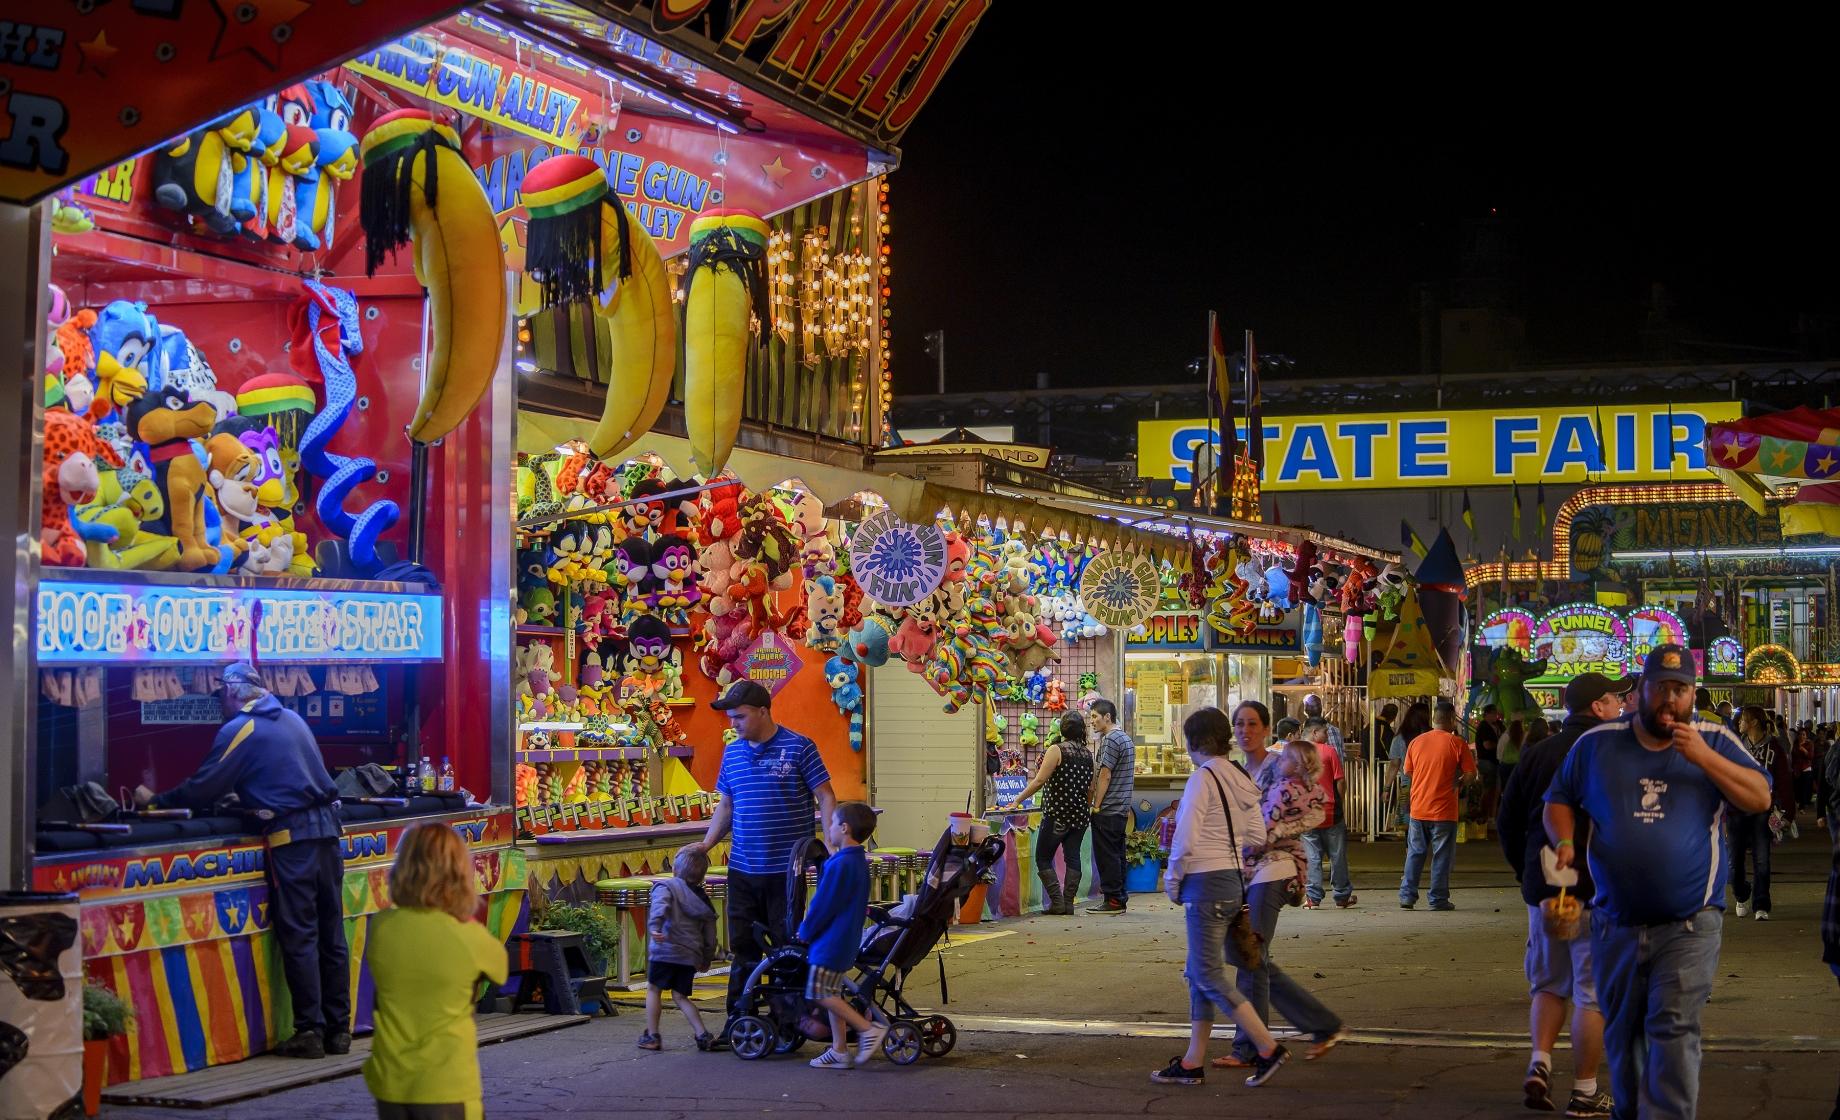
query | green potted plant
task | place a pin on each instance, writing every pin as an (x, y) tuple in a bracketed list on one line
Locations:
[(1143, 860), (599, 929), (104, 1017)]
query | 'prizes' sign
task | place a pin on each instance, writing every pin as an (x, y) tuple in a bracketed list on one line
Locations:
[(895, 563)]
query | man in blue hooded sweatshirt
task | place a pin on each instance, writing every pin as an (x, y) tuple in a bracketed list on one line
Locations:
[(267, 756)]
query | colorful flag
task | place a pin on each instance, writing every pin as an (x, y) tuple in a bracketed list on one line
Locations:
[(1515, 517), (1255, 407), (1469, 517), (1220, 383), (1409, 540)]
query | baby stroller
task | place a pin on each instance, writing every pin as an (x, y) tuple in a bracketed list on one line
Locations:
[(775, 1017)]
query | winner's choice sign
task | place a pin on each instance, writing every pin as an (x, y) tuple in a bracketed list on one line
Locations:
[(897, 564)]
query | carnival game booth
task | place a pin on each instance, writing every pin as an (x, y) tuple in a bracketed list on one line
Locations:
[(262, 442), (896, 621)]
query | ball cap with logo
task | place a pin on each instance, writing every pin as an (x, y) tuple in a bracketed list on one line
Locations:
[(1670, 663), (1586, 689), (752, 694)]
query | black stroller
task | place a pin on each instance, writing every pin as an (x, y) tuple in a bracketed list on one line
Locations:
[(777, 1019)]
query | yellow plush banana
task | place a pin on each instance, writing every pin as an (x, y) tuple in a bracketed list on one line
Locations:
[(727, 279), (418, 187), (577, 231)]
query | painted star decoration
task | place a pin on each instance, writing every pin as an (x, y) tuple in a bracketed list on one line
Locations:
[(776, 171), (96, 52), (260, 27)]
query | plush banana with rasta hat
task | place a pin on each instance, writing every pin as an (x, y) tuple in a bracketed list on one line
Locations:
[(727, 285), (583, 245), (418, 188)]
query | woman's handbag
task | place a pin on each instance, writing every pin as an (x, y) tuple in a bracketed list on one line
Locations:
[(1246, 940)]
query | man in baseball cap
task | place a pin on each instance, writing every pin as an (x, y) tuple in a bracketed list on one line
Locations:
[(268, 757), (1654, 789), (773, 782), (1558, 971)]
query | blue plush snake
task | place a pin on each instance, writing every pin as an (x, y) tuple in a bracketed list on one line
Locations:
[(341, 473)]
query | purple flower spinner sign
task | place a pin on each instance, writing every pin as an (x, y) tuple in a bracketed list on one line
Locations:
[(895, 563)]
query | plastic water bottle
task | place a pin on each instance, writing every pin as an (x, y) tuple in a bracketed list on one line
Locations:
[(426, 775), (447, 774)]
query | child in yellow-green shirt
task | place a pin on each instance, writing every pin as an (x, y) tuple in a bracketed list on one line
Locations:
[(426, 956)]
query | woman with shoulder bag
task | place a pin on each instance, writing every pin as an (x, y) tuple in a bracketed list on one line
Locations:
[(1066, 774), (1291, 804), (1217, 818)]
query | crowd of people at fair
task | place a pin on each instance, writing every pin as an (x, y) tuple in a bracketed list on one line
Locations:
[(1626, 822)]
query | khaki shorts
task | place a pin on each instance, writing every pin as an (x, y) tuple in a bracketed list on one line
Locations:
[(1560, 968)]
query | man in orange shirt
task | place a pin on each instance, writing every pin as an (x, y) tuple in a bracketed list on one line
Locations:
[(1435, 762)]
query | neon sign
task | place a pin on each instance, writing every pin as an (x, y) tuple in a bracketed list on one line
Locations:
[(1508, 629), (1650, 627), (90, 622), (1581, 638), (1725, 657)]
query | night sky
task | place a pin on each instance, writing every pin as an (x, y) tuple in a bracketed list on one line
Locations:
[(1053, 214)]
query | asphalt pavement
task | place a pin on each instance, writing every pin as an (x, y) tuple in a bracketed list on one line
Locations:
[(1068, 1016)]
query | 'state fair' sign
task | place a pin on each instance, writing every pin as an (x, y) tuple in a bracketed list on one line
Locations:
[(90, 623)]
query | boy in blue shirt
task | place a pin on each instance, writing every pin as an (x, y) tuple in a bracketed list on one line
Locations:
[(1657, 786), (833, 928)]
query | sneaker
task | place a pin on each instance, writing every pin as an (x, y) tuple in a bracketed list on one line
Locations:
[(1443, 906), (338, 1042), (1744, 910), (1322, 1044), (649, 1041), (1763, 915), (868, 1042), (303, 1044), (1403, 905), (1536, 1090), (1589, 1105), (1175, 1073), (1264, 1069), (830, 1059), (1345, 903), (1107, 907)]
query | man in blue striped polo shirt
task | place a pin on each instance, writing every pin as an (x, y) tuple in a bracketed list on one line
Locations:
[(773, 784)]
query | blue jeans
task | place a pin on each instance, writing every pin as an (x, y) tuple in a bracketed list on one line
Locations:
[(1651, 983), (1335, 839), (1268, 986), (1208, 946), (1441, 838)]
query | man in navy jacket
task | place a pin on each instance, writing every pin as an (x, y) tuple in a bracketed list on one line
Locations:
[(267, 756)]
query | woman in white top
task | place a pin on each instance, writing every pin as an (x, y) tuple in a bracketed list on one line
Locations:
[(1217, 818), (1291, 804)]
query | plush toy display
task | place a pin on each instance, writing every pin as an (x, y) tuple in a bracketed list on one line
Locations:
[(459, 258), (870, 642), (340, 474), (70, 479), (726, 286), (336, 160), (197, 175), (112, 526), (168, 422), (582, 244), (847, 695)]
